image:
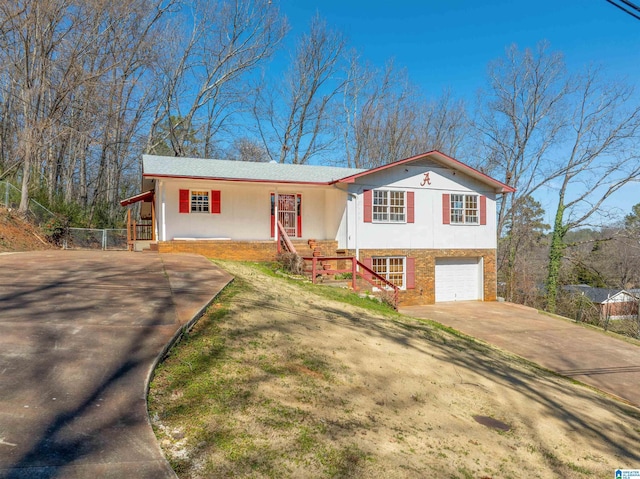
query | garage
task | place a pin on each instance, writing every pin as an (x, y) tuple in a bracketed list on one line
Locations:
[(458, 279)]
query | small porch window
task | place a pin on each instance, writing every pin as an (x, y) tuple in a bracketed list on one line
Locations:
[(199, 201)]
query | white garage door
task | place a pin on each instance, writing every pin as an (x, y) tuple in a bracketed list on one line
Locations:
[(458, 279)]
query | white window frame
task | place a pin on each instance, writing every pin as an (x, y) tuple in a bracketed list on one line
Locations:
[(386, 273), (199, 201), (383, 201), (465, 209)]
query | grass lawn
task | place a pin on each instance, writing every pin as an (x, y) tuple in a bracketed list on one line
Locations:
[(285, 379)]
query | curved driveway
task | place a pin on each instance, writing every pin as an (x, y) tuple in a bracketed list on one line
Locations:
[(79, 335)]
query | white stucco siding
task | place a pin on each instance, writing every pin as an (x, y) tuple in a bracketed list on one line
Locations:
[(428, 230), (246, 211)]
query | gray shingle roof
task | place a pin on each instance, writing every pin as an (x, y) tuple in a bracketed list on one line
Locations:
[(596, 295), (242, 170)]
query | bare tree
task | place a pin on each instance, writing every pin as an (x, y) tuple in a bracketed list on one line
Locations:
[(386, 117), (294, 116), (247, 149), (72, 72), (442, 125), (210, 48), (599, 157), (522, 252), (520, 119)]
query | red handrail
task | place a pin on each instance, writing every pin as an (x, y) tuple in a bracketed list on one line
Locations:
[(284, 237), (354, 273)]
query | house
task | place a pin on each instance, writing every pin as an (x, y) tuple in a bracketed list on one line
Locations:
[(425, 223), (611, 303)]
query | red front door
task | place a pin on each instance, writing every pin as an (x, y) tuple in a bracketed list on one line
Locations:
[(289, 214)]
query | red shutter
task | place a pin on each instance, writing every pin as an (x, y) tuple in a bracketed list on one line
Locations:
[(446, 209), (369, 264), (273, 215), (411, 273), (368, 205), (410, 207), (215, 201), (184, 201), (483, 210), (299, 214)]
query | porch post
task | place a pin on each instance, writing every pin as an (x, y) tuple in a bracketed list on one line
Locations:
[(275, 217), (354, 273), (129, 244), (314, 269), (163, 207), (153, 218), (356, 218)]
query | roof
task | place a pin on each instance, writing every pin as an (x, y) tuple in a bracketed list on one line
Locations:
[(147, 195), (199, 168), (445, 161), (229, 170), (596, 295)]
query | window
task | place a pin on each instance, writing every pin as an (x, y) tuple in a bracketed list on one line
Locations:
[(389, 206), (464, 209), (391, 268), (199, 201)]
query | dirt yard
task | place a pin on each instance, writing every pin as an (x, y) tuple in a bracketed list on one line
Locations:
[(278, 381), (19, 235)]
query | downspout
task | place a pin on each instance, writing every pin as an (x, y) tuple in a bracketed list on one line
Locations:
[(355, 222)]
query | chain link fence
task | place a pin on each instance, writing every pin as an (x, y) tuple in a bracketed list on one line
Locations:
[(94, 238), (71, 238)]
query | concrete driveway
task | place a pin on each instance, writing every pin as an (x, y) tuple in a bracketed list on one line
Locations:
[(592, 357), (79, 335)]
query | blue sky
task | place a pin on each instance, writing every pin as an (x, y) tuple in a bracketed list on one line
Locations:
[(447, 44)]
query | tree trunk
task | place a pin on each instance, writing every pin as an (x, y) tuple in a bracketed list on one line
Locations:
[(556, 253)]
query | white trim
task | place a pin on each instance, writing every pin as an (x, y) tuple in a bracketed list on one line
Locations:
[(464, 209), (404, 270), (387, 192), (459, 278)]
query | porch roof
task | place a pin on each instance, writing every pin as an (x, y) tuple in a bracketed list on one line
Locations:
[(147, 195), (199, 168)]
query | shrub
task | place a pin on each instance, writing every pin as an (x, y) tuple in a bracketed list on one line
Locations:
[(56, 229), (291, 262)]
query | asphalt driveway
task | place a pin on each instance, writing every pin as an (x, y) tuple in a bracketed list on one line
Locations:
[(590, 356), (79, 335)]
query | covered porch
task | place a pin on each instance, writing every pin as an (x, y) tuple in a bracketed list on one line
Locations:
[(141, 233)]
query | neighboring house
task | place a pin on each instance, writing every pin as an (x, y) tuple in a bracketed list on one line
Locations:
[(611, 303), (426, 223)]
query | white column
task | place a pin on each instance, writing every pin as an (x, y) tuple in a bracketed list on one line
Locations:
[(275, 216), (163, 222)]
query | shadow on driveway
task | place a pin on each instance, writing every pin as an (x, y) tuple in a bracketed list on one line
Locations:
[(79, 334)]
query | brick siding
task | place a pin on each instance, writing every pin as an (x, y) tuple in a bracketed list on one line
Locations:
[(424, 292), (241, 250)]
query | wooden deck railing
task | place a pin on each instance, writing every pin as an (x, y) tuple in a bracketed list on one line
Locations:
[(140, 230), (357, 269)]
